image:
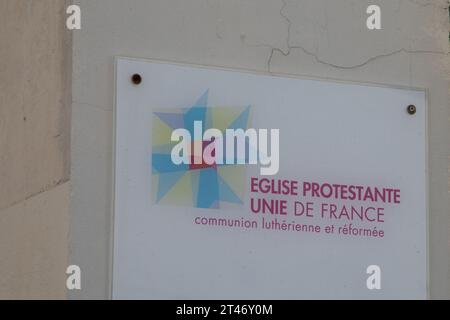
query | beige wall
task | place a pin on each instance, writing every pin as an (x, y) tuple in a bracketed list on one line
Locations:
[(35, 70), (320, 38)]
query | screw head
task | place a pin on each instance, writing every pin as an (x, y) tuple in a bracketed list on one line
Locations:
[(136, 79), (411, 109)]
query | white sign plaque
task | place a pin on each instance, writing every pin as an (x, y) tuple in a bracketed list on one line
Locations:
[(238, 185)]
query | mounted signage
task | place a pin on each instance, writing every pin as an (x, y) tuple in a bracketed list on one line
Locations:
[(250, 186)]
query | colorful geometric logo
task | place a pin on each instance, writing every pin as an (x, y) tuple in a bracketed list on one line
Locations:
[(196, 185)]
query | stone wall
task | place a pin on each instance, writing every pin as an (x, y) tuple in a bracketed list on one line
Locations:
[(35, 76)]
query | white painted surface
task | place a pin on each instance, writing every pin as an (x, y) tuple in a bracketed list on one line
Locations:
[(318, 38), (330, 132)]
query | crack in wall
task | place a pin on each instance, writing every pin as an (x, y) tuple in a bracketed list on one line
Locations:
[(346, 67), (289, 24), (289, 48), (45, 189), (429, 3)]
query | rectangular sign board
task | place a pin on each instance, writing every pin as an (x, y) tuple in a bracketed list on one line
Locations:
[(238, 185)]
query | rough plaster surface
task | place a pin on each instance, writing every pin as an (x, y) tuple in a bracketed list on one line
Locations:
[(34, 113), (318, 38), (35, 75), (33, 246)]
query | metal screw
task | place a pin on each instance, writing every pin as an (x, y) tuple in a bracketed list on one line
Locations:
[(136, 79), (411, 109)]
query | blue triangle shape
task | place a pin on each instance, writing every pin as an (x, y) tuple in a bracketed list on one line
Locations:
[(203, 100), (226, 194), (241, 122), (173, 120)]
